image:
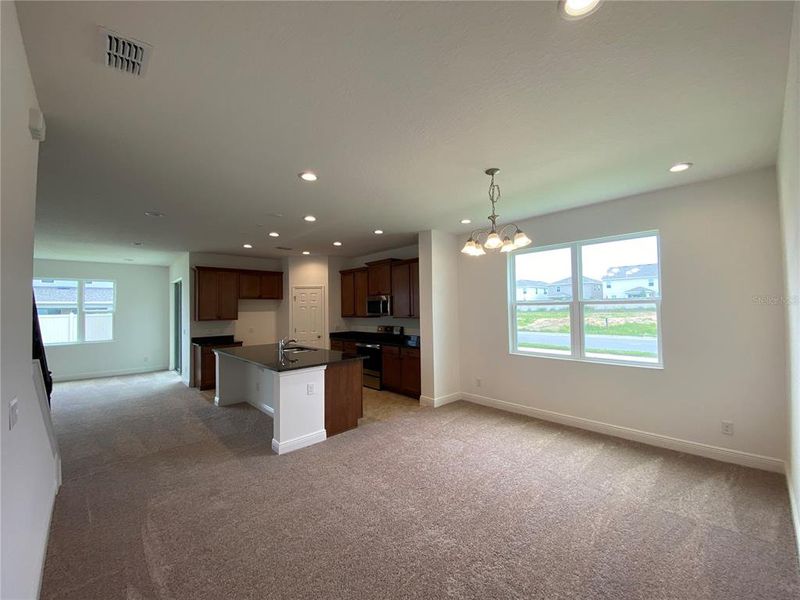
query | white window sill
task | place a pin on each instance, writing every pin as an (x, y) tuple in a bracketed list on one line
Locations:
[(599, 361)]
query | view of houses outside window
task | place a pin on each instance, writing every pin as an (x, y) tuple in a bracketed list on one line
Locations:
[(612, 315), (73, 311)]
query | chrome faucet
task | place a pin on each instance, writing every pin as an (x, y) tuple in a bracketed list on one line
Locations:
[(283, 342)]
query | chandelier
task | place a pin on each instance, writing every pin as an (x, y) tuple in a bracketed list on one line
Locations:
[(507, 238)]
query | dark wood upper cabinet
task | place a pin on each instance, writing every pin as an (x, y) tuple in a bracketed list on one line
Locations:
[(405, 288), (271, 285), (360, 287), (249, 285), (261, 285), (380, 277), (206, 295), (217, 291), (401, 290), (348, 294), (228, 296), (414, 280)]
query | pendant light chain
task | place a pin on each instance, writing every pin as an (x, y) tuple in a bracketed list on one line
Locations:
[(494, 239)]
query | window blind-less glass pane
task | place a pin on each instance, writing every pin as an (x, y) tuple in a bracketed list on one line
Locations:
[(57, 307), (98, 296), (621, 269), (543, 276), (621, 331), (543, 329), (99, 327)]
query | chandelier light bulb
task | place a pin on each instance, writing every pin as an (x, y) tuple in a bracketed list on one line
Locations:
[(493, 242), (521, 240), (508, 245), (469, 247), (479, 251)]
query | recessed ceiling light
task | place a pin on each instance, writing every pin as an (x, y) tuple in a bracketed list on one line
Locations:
[(310, 218), (247, 245), (307, 176), (466, 221), (337, 243), (153, 213), (306, 252), (274, 234), (677, 168), (577, 9), (378, 232)]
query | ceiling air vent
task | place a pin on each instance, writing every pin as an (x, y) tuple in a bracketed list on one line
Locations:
[(122, 53), (282, 248)]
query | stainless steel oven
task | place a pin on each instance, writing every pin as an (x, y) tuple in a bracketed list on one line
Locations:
[(379, 306), (372, 365)]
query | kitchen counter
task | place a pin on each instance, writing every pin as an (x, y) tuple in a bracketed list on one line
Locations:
[(309, 395), (267, 356)]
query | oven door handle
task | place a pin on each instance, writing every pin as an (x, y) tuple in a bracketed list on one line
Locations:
[(373, 346)]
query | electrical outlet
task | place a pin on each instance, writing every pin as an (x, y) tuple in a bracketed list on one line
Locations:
[(13, 413), (727, 427), (478, 382), (310, 389), (258, 386)]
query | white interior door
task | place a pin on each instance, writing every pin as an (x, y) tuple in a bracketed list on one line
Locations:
[(308, 322)]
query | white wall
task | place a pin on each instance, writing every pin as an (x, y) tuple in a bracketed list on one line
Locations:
[(141, 321), (440, 324), (29, 471), (723, 352), (789, 190)]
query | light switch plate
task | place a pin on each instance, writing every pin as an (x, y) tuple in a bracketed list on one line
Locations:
[(310, 389), (13, 413)]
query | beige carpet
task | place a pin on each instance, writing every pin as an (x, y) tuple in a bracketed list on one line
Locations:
[(166, 496)]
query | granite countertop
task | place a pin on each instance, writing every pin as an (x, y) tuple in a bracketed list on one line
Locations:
[(266, 355), (210, 340), (389, 339)]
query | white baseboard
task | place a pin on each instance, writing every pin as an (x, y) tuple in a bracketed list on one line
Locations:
[(101, 374), (299, 442), (747, 459), (439, 400), (267, 410), (794, 505)]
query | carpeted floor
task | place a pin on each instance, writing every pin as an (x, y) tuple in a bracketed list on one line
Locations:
[(167, 497)]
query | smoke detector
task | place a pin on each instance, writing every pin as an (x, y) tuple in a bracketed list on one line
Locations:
[(123, 53)]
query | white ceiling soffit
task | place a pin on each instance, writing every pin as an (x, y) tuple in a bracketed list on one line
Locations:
[(399, 107)]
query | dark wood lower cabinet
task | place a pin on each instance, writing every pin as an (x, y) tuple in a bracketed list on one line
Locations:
[(411, 384), (391, 374), (401, 370), (204, 362), (343, 396)]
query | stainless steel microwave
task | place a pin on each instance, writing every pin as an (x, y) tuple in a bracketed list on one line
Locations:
[(379, 306)]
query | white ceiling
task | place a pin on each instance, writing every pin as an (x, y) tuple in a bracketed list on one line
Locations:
[(398, 107)]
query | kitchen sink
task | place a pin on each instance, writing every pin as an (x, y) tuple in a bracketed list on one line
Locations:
[(298, 350)]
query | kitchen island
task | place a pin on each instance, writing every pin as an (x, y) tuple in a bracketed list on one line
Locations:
[(310, 393)]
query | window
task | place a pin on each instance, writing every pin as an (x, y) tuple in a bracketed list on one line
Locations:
[(611, 313), (73, 311)]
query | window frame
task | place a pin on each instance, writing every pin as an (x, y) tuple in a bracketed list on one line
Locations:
[(81, 316), (577, 303)]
